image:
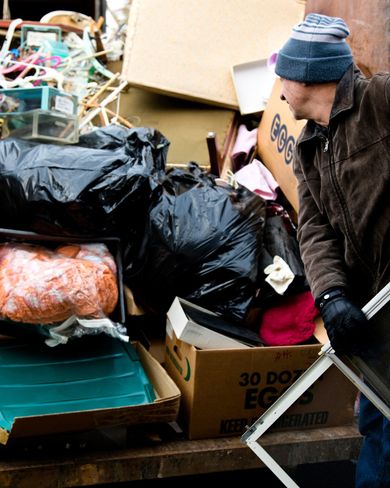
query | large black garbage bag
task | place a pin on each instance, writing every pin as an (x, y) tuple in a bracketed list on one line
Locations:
[(100, 186), (202, 243)]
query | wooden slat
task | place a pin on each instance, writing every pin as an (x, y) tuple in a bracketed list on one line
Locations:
[(178, 458)]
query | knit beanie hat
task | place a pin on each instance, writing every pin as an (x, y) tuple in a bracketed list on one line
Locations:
[(316, 51)]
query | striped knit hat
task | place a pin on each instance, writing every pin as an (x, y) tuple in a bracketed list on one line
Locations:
[(316, 51)]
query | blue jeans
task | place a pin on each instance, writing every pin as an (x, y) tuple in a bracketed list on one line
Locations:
[(373, 467)]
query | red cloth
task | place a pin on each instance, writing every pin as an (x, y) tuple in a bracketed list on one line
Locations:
[(291, 322)]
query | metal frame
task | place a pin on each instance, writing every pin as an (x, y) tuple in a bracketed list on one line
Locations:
[(318, 368)]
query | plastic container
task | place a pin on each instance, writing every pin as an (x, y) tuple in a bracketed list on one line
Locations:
[(19, 100), (42, 125), (33, 35)]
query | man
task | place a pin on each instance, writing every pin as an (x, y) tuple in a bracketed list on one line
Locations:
[(342, 163)]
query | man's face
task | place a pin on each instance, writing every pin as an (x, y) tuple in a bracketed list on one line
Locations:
[(296, 94)]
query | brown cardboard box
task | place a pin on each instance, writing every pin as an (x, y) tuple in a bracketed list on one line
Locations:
[(277, 134), (225, 390), (165, 408)]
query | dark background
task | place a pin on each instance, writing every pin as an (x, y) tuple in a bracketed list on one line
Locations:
[(36, 9)]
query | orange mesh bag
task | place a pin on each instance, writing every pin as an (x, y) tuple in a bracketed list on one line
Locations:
[(40, 286)]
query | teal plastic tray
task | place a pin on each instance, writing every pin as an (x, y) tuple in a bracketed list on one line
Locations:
[(94, 373)]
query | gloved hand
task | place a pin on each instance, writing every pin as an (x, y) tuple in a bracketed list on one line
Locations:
[(345, 323)]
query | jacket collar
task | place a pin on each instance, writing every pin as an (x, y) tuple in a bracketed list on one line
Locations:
[(343, 101), (344, 93)]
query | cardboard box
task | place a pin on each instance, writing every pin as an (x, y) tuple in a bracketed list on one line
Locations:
[(225, 390), (276, 138), (164, 409), (187, 49)]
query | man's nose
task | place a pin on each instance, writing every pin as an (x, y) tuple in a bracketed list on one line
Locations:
[(282, 97)]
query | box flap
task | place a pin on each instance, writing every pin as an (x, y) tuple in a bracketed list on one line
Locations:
[(193, 333), (217, 323)]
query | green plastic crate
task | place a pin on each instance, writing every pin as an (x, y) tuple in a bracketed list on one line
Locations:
[(93, 373)]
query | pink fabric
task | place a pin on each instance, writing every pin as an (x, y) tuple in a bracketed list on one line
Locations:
[(271, 61), (243, 146), (257, 178), (291, 322)]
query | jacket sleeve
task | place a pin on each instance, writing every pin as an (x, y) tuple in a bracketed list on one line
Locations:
[(320, 248), (387, 90)]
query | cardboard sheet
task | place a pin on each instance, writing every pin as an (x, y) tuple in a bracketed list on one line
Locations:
[(188, 48), (184, 123)]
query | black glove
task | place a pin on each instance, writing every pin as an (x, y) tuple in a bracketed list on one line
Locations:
[(345, 323)]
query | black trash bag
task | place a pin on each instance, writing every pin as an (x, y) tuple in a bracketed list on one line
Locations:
[(202, 243), (101, 186)]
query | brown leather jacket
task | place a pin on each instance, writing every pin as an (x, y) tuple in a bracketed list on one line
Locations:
[(343, 176)]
